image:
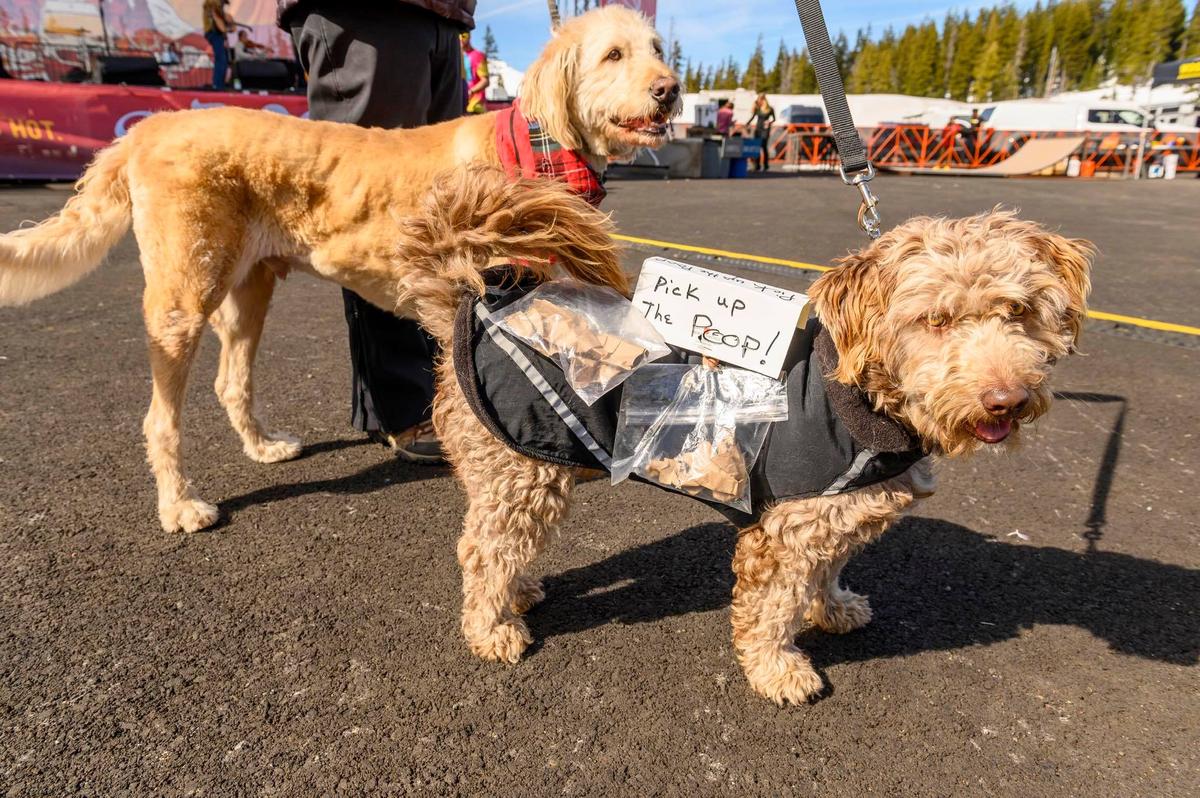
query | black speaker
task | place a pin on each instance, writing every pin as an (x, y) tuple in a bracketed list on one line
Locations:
[(133, 70), (264, 75)]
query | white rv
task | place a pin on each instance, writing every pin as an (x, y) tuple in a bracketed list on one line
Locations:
[(1058, 115)]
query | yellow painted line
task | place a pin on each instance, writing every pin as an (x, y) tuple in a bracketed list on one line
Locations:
[(1099, 315), (722, 253), (1165, 326)]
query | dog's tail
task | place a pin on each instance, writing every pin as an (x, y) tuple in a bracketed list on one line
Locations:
[(476, 215), (48, 257)]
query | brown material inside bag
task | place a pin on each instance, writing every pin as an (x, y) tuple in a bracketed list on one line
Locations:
[(594, 357), (717, 468)]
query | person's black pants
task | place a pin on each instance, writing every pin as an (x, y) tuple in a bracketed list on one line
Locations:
[(382, 65)]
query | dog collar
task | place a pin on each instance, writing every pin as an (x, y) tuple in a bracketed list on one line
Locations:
[(869, 428), (526, 150)]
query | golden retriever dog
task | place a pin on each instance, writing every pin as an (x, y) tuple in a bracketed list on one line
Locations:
[(223, 201), (950, 327)]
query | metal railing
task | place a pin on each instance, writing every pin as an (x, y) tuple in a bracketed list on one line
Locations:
[(810, 146)]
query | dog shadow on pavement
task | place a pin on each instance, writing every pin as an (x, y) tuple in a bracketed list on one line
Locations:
[(386, 473), (934, 585)]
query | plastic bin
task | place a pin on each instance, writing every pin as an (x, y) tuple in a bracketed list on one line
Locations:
[(1170, 164), (711, 162)]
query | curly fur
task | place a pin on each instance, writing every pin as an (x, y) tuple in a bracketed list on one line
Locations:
[(877, 306)]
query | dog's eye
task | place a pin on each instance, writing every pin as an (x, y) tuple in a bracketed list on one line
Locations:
[(1015, 310), (614, 54), (937, 320)]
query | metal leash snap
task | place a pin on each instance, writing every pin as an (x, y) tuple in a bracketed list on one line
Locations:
[(868, 215)]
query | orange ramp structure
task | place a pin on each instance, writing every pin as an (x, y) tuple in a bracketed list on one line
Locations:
[(1035, 156)]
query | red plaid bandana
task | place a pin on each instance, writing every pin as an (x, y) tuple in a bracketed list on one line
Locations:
[(527, 151)]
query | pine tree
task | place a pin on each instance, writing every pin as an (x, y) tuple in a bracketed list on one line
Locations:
[(917, 58), (777, 78), (756, 73), (949, 50), (1191, 38), (1039, 37), (490, 48), (675, 56), (999, 53), (842, 53), (1075, 35), (1012, 32), (804, 78), (968, 42), (859, 81)]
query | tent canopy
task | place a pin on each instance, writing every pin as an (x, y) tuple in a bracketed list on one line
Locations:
[(1186, 71)]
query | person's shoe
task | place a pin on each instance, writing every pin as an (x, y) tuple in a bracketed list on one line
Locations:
[(583, 475), (417, 444)]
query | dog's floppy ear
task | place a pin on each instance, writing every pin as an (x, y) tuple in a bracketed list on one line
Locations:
[(1072, 260), (548, 89), (850, 301)]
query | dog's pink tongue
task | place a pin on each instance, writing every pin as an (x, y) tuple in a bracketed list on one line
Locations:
[(993, 431)]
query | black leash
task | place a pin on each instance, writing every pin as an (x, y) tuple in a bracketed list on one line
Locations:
[(855, 166)]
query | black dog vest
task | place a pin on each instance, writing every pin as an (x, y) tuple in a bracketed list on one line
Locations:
[(832, 442)]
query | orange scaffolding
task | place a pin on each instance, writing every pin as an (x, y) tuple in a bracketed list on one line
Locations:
[(919, 146)]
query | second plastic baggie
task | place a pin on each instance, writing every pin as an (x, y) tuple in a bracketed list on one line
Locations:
[(696, 430), (595, 335)]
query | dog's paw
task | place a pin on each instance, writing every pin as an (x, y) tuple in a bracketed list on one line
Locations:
[(275, 448), (504, 642), (187, 515), (527, 594), (787, 677), (840, 613)]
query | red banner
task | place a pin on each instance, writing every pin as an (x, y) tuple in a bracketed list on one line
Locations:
[(647, 7), (49, 131)]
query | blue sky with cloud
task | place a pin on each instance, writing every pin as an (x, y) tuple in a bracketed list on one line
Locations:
[(710, 30)]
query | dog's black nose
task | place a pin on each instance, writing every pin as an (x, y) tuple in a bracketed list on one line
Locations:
[(1005, 401), (665, 90)]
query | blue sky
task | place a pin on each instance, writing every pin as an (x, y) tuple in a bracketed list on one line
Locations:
[(710, 30)]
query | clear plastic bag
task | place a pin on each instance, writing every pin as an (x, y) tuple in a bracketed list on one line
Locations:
[(696, 430), (596, 335)]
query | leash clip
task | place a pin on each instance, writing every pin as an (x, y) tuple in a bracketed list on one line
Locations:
[(868, 215)]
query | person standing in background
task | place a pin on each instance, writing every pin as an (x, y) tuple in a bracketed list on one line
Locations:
[(475, 68), (246, 49), (762, 119), (725, 117), (217, 25), (384, 64)]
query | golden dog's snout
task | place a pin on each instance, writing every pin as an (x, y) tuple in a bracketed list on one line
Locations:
[(665, 90)]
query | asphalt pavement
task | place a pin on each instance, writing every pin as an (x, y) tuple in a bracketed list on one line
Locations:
[(1037, 622)]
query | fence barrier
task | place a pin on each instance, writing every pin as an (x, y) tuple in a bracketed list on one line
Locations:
[(810, 146)]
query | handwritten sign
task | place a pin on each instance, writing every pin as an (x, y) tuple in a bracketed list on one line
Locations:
[(737, 321)]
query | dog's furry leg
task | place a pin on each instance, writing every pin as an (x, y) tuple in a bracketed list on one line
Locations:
[(785, 565), (835, 609), (239, 324), (514, 505), (187, 277), (770, 595), (173, 334), (518, 505)]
